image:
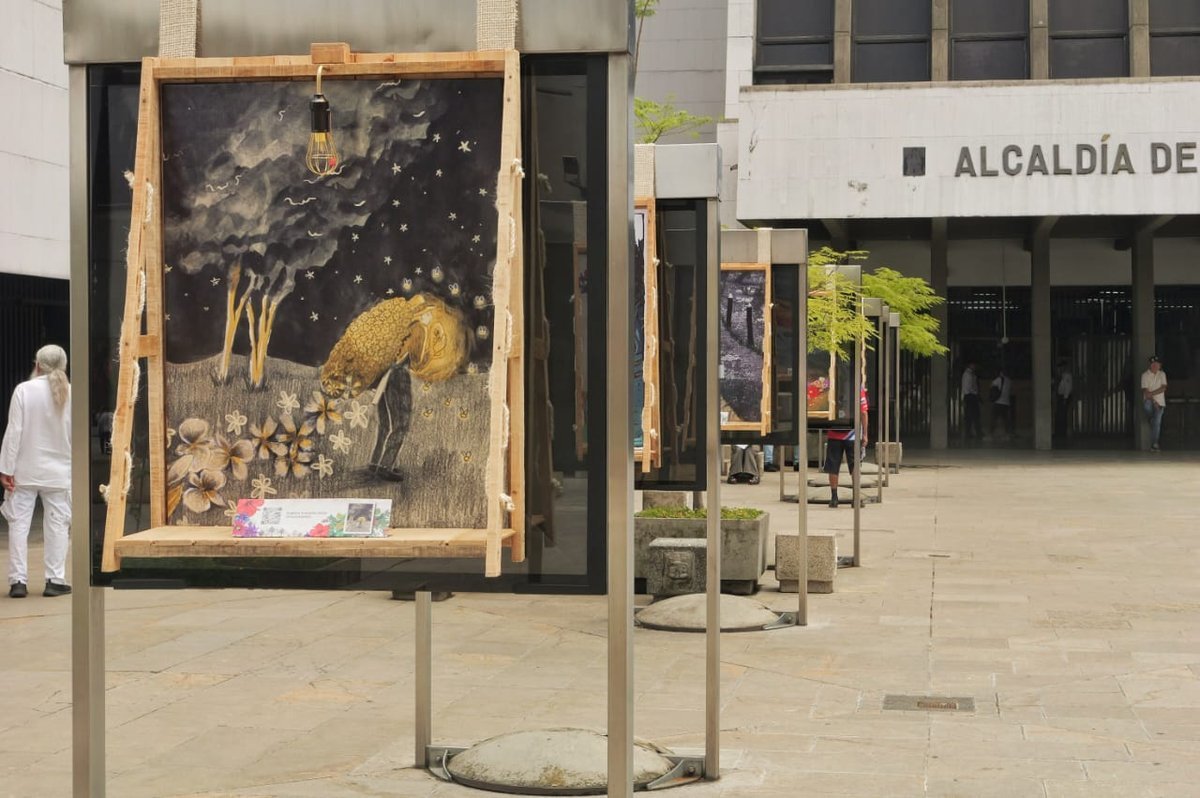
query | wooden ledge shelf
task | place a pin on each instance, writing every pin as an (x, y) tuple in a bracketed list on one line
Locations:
[(217, 541)]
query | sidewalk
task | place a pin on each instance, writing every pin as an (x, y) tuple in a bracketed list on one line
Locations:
[(1060, 592)]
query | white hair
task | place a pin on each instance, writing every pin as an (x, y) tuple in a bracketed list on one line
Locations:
[(51, 360)]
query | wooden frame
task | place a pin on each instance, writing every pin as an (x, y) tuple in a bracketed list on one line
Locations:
[(649, 454), (829, 413), (505, 466), (763, 426)]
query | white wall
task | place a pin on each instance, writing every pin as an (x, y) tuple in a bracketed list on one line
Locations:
[(837, 152), (33, 140)]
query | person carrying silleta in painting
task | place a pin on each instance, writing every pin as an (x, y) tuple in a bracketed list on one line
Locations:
[(35, 460), (839, 443), (1154, 398)]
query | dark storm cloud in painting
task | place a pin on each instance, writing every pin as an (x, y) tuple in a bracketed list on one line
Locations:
[(411, 209)]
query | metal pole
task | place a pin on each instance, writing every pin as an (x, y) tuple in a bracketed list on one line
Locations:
[(712, 629), (423, 703), (896, 416), (781, 461), (858, 433), (618, 441), (800, 383), (87, 602), (886, 403), (881, 361)]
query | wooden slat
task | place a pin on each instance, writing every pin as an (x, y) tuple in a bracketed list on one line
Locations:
[(768, 354), (329, 53), (155, 375), (650, 452), (516, 360), (216, 541), (122, 436)]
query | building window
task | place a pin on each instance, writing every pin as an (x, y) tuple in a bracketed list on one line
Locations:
[(794, 42), (1174, 38), (1089, 38), (989, 39), (891, 41)]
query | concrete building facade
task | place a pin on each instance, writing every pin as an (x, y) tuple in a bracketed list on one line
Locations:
[(1035, 160)]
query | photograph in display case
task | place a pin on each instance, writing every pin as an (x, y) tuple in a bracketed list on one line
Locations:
[(744, 306)]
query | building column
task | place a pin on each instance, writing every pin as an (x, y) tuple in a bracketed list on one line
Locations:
[(1143, 323), (1043, 370), (939, 372), (939, 64), (1039, 39), (842, 13), (1139, 38)]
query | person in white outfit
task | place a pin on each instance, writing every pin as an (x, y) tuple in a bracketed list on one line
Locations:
[(35, 460)]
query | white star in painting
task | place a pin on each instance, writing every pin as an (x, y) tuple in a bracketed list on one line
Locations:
[(464, 146), (437, 137), (167, 269), (354, 236), (438, 173), (215, 281), (387, 259), (475, 239), (396, 168), (395, 203), (483, 192), (419, 270), (357, 279), (310, 275), (390, 291), (403, 228), (167, 317), (314, 317), (453, 216)]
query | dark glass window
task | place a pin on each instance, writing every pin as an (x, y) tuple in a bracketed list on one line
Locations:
[(989, 39), (1174, 37), (891, 41), (1089, 38), (794, 42)]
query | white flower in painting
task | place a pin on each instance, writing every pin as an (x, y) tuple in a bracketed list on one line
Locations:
[(390, 291), (341, 442), (324, 466), (260, 488), (480, 302), (437, 274), (482, 332), (234, 422), (454, 289), (472, 368), (288, 401), (406, 284), (170, 436), (231, 510), (215, 281), (426, 318), (357, 415)]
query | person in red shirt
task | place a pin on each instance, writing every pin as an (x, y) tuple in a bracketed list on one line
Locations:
[(839, 443)]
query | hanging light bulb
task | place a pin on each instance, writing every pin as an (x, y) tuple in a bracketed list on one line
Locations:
[(321, 158)]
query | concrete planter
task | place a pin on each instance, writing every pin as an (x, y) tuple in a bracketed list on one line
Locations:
[(743, 548)]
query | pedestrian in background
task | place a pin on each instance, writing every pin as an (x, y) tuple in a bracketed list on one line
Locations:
[(35, 460), (1062, 399), (1154, 398), (1001, 395), (972, 415)]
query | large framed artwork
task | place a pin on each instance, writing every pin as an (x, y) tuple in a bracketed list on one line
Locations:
[(744, 301), (348, 335), (647, 446)]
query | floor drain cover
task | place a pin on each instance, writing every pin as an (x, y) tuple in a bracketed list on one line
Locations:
[(929, 703)]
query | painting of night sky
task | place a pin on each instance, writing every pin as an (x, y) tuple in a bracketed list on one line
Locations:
[(743, 296), (330, 336)]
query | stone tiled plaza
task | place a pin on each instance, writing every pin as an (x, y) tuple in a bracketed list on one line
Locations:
[(1058, 592)]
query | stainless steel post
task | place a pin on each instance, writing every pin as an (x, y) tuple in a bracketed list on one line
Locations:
[(856, 408), (87, 602), (712, 633), (885, 402), (800, 383), (619, 440), (896, 414), (881, 359), (423, 683)]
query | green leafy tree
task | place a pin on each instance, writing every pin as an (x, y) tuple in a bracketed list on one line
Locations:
[(913, 299), (834, 304), (642, 9), (655, 119)]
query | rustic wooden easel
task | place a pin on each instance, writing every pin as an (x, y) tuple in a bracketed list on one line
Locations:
[(763, 425), (649, 454), (142, 328)]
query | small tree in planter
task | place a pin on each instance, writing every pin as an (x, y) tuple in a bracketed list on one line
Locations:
[(744, 532)]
